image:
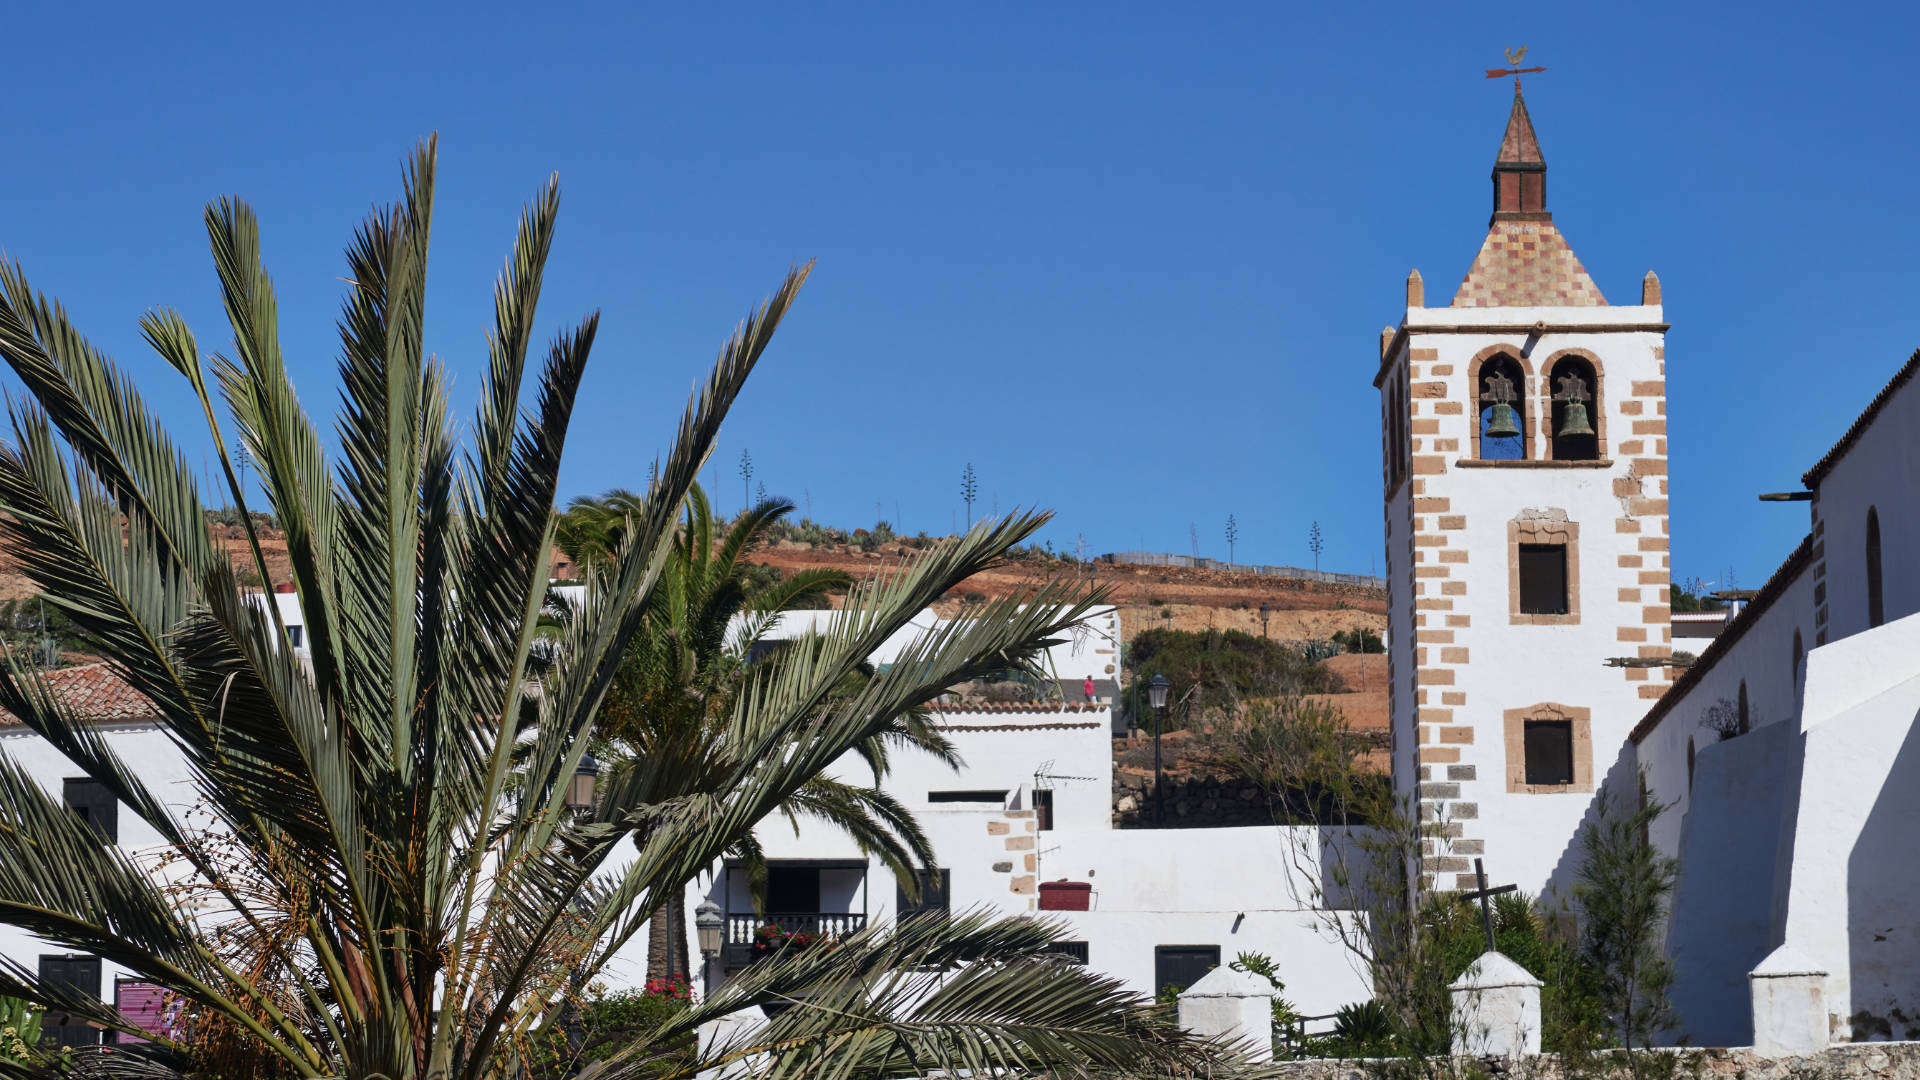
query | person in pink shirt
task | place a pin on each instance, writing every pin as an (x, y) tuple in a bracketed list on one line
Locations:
[(1087, 688)]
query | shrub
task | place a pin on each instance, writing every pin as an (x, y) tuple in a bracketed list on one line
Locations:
[(1222, 667), (1359, 640)]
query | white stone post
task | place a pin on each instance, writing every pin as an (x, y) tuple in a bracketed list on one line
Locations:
[(1233, 1005), (1789, 1005), (1496, 1009)]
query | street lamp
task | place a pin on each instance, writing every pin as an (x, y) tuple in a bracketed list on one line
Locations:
[(1264, 609), (580, 791), (710, 923), (1157, 697)]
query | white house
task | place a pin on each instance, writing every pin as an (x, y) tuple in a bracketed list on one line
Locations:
[(1026, 826), (1023, 827), (95, 692)]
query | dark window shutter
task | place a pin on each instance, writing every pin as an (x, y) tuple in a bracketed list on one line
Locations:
[(95, 804), (936, 889), (1075, 951), (1543, 579), (82, 973), (1182, 965), (1549, 748)]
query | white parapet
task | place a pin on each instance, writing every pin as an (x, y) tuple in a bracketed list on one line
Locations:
[(1789, 1005), (1496, 1009), (1236, 1006)]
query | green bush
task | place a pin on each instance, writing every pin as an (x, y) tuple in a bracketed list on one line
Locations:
[(1359, 640), (1221, 668), (1571, 1015)]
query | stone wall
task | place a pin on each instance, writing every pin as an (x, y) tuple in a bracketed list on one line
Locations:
[(1191, 803), (1851, 1061)]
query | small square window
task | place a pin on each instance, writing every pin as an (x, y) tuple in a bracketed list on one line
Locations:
[(935, 895), (293, 635), (1543, 579), (1180, 966), (1549, 749), (94, 804)]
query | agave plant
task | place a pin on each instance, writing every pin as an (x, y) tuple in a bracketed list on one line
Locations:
[(404, 892)]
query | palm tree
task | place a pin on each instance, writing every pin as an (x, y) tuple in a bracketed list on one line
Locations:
[(670, 699), (393, 885)]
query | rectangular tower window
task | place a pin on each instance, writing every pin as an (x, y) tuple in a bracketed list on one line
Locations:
[(1543, 579), (1549, 749)]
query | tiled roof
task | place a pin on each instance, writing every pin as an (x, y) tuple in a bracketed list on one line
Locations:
[(1527, 264), (1032, 708), (1825, 465), (94, 692), (1750, 614)]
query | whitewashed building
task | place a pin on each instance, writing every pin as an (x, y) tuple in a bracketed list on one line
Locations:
[(1524, 437), (1792, 760), (1532, 638), (1025, 826)]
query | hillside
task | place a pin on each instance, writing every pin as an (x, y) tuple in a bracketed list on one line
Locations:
[(1171, 597), (1176, 598)]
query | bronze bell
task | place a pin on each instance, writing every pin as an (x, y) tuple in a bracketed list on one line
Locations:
[(1502, 423), (1574, 420), (1573, 394)]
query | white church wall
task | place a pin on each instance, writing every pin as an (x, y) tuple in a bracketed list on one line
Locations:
[(1723, 921), (1881, 470), (1758, 651), (1856, 855)]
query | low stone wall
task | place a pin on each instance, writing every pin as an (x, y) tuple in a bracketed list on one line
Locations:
[(1851, 1061), (1194, 803)]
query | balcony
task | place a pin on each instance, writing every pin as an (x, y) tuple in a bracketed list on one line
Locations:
[(743, 930)]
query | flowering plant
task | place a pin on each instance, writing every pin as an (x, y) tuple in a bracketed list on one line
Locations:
[(772, 938), (673, 988)]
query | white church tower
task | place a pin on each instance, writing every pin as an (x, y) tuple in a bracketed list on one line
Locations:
[(1525, 437)]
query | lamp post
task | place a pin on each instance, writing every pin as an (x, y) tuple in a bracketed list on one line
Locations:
[(1265, 608), (580, 791), (1157, 697), (709, 923)]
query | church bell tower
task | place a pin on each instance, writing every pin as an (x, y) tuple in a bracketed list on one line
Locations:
[(1524, 432)]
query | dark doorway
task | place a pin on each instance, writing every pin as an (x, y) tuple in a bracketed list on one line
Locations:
[(793, 890)]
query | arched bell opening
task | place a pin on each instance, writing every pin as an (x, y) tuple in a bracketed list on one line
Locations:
[(1575, 417), (1500, 386)]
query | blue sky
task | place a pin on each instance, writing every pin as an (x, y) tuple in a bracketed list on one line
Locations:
[(1131, 261)]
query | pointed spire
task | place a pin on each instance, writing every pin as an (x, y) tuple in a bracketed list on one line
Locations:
[(1520, 172), (1519, 146)]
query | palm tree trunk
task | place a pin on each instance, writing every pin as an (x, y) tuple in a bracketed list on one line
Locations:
[(667, 955)]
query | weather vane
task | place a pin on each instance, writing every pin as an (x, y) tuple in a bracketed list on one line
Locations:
[(1513, 68)]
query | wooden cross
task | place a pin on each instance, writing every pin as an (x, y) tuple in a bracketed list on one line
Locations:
[(1484, 894), (1513, 67)]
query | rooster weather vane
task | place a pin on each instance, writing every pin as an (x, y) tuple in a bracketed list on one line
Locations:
[(1513, 68)]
